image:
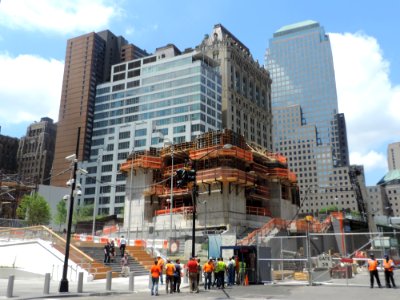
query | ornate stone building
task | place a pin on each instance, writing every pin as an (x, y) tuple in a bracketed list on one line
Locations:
[(246, 87)]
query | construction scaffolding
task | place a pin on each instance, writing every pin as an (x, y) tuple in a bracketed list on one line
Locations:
[(235, 170)]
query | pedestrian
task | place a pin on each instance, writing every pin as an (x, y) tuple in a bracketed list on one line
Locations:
[(122, 245), (169, 277), (220, 273), (193, 270), (112, 251), (155, 275), (388, 265), (125, 265), (160, 263), (177, 276), (198, 272), (242, 272), (208, 269), (237, 269), (373, 271), (107, 253), (231, 271)]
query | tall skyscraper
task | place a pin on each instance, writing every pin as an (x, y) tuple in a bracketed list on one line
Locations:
[(246, 87), (169, 94), (308, 128), (393, 156), (36, 152), (88, 62)]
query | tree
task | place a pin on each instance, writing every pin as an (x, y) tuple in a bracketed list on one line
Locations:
[(34, 209), (61, 215)]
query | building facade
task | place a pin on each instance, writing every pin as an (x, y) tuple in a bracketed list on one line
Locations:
[(8, 154), (168, 95), (36, 151), (246, 87), (393, 156), (88, 63), (308, 129)]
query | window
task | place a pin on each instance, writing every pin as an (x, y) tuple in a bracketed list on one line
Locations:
[(140, 143), (123, 145), (141, 132), (124, 135), (180, 129)]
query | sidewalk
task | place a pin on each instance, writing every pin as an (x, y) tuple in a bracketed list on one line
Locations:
[(33, 288)]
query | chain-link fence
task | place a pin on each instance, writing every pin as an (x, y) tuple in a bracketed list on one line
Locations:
[(315, 258)]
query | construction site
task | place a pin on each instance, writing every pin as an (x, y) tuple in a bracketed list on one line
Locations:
[(238, 188)]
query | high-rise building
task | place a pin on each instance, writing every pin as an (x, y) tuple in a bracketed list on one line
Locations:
[(88, 62), (246, 87), (36, 152), (308, 129), (8, 154), (393, 156), (169, 94)]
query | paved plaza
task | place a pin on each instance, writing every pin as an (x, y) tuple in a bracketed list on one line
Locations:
[(354, 288)]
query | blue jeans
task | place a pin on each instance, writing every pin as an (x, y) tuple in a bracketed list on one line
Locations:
[(231, 276), (154, 286), (207, 280)]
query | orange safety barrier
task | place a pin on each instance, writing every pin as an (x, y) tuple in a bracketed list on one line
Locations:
[(177, 210), (216, 151), (225, 174), (140, 243), (258, 211), (110, 229), (104, 240)]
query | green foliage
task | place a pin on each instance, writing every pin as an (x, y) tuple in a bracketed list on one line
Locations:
[(329, 209), (61, 214), (83, 213), (34, 209)]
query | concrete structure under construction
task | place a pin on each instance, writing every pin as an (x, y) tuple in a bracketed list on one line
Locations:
[(239, 188), (168, 95), (36, 151)]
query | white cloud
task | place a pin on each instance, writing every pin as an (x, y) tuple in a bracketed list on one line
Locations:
[(65, 17), (367, 97), (31, 87)]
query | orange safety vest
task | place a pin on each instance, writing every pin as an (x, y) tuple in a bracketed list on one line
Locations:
[(388, 265), (372, 265)]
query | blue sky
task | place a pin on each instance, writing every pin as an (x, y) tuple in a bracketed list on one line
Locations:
[(364, 36)]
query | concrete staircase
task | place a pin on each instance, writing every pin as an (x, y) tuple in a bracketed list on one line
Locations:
[(96, 251)]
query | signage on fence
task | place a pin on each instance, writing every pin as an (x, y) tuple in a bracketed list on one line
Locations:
[(324, 261)]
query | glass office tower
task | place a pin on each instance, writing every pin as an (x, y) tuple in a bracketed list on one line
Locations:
[(169, 94), (307, 126)]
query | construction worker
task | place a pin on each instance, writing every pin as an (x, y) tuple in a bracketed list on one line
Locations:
[(155, 275), (231, 271), (242, 272), (177, 276), (160, 263), (208, 269), (373, 270), (388, 265), (220, 269), (169, 276), (192, 267)]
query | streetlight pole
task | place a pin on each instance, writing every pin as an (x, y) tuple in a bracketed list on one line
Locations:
[(64, 286), (194, 194), (96, 198), (130, 201), (171, 203)]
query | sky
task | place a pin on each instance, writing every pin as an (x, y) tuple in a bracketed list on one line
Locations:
[(363, 34)]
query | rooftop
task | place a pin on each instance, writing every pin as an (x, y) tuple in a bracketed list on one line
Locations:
[(296, 27)]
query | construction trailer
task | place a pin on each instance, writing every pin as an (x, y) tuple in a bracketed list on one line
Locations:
[(238, 188)]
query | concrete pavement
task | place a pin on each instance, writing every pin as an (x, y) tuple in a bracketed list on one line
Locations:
[(354, 288)]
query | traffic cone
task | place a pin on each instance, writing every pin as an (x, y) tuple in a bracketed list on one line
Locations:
[(246, 280)]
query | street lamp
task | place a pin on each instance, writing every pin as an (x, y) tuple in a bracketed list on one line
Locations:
[(130, 199), (64, 280), (99, 158), (171, 200), (194, 194)]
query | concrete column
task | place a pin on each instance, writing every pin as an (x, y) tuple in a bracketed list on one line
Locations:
[(10, 286), (108, 280), (131, 281), (79, 288)]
